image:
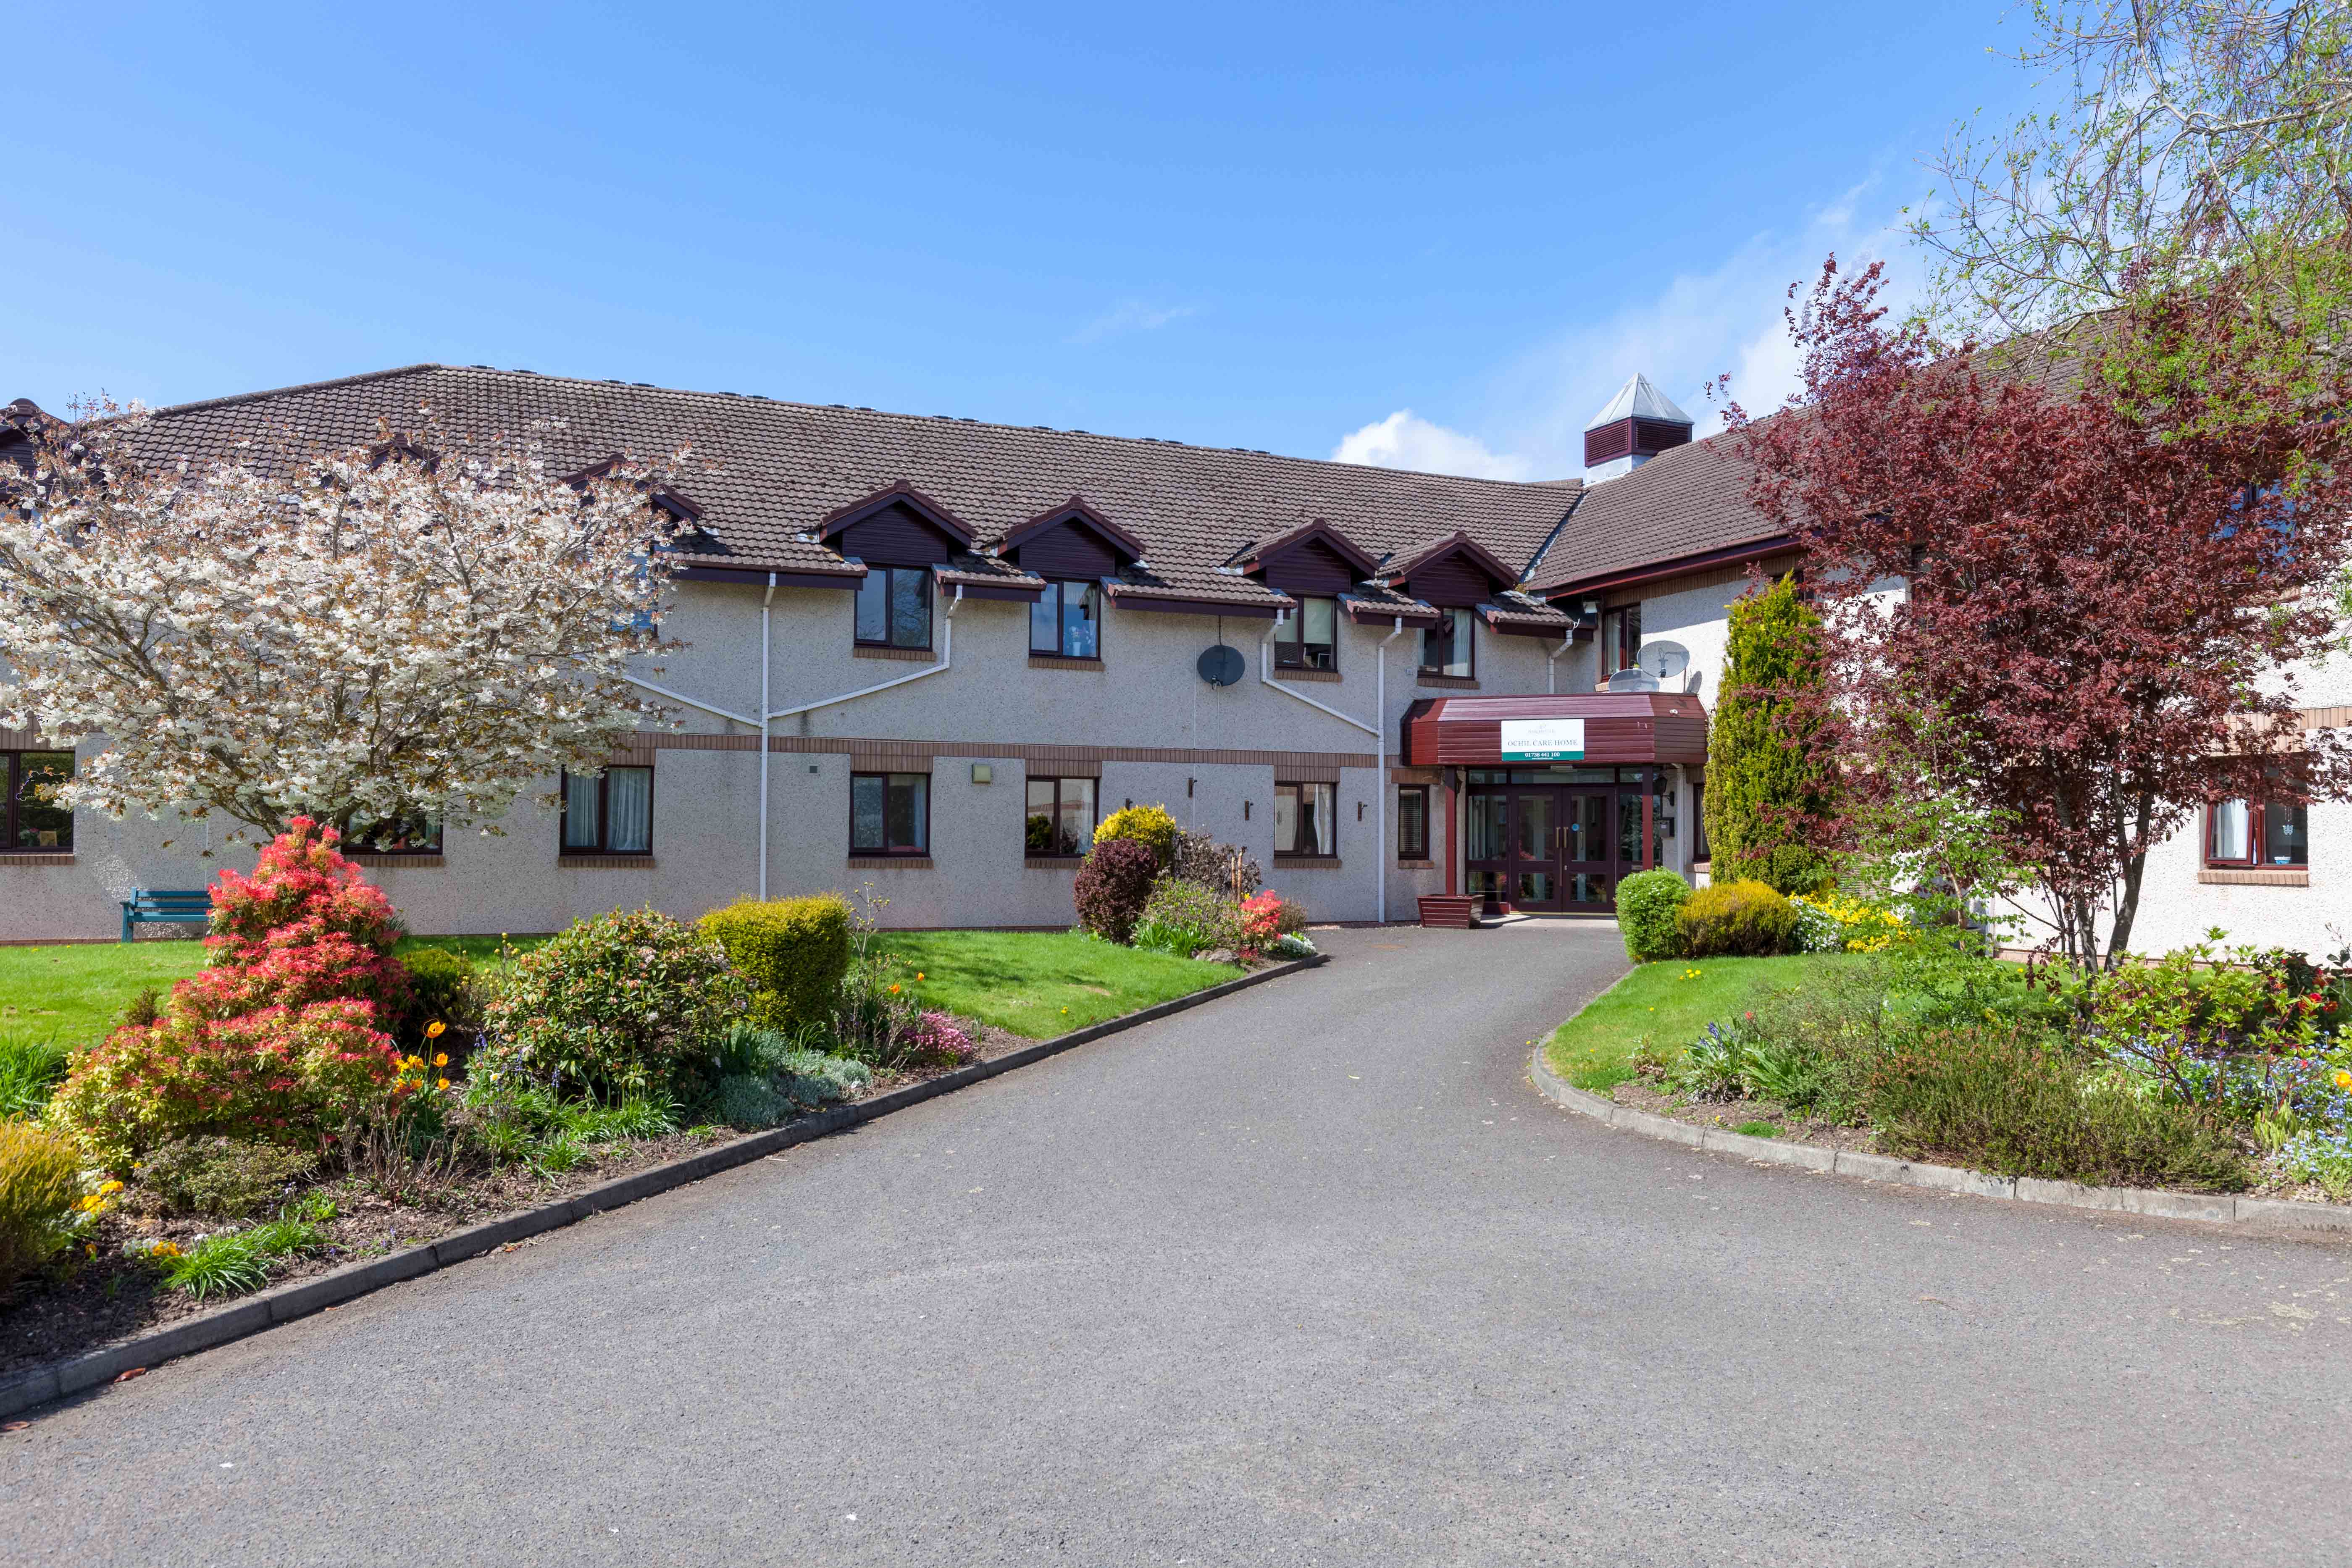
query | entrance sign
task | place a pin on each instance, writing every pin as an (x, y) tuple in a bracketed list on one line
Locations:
[(1543, 740)]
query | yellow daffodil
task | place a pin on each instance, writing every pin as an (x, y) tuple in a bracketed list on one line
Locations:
[(441, 1083), (434, 1030), (440, 1058), (108, 1187)]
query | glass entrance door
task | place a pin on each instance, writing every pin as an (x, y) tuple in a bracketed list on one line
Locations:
[(1561, 846), (1588, 870), (1534, 867)]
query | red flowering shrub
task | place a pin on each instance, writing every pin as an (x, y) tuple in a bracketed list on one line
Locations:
[(1267, 916), (280, 1040)]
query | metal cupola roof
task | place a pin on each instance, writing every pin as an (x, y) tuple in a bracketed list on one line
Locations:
[(1639, 398)]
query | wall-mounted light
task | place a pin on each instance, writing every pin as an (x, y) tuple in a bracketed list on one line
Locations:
[(1360, 811), (983, 774), (1245, 805), (1130, 805), (1188, 787)]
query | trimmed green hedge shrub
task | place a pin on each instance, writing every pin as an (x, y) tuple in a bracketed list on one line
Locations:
[(1646, 905), (1742, 919), (794, 952)]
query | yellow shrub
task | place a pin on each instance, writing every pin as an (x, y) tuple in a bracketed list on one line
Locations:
[(795, 952), (40, 1184), (1150, 826)]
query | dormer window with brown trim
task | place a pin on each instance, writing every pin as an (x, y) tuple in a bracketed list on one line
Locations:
[(1450, 648), (1065, 621), (894, 607), (1308, 638)]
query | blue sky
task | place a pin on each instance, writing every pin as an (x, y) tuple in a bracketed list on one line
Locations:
[(1434, 235)]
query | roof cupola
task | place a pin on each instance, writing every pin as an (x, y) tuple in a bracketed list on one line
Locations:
[(1637, 424)]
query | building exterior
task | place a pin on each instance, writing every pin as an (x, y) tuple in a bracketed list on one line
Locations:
[(928, 655)]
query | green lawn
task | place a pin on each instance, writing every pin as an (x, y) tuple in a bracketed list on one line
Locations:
[(73, 994), (1042, 983), (1670, 1003)]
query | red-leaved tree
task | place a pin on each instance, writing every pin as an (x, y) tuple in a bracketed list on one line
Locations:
[(2110, 554)]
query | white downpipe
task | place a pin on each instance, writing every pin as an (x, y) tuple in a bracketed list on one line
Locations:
[(1380, 762), (680, 696), (1551, 664), (764, 607), (1266, 678), (947, 653)]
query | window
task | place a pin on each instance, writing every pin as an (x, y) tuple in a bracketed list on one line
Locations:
[(2257, 833), (1412, 822), (609, 813), (1061, 816), (1621, 639), (894, 607), (1309, 639), (1304, 818), (890, 813), (1067, 621), (1448, 648), (414, 834), (33, 823)]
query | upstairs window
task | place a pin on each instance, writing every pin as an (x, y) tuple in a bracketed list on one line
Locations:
[(31, 821), (890, 813), (1310, 638), (1061, 816), (2258, 833), (1067, 621), (1449, 646), (1621, 639), (609, 813), (1305, 820), (894, 607)]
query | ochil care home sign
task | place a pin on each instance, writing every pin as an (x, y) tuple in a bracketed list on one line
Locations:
[(1543, 740)]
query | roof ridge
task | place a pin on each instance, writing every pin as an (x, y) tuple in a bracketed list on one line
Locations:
[(202, 403)]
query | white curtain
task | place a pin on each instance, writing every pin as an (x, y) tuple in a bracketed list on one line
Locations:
[(630, 798)]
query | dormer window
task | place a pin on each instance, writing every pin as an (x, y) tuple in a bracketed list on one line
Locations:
[(894, 607), (1449, 647), (1066, 621), (1310, 637)]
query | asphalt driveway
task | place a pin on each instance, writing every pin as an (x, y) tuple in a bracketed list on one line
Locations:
[(1310, 1275)]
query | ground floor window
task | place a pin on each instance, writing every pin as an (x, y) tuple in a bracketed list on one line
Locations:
[(2258, 833), (890, 813), (416, 832), (33, 821), (1305, 820), (1061, 815), (610, 812), (1412, 822)]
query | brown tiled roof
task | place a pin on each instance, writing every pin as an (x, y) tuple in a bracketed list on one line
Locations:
[(1689, 500), (777, 469)]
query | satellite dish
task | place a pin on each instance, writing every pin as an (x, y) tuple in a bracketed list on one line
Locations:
[(1663, 660), (1632, 680), (1221, 665)]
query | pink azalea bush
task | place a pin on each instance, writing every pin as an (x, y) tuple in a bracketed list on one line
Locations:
[(280, 1038)]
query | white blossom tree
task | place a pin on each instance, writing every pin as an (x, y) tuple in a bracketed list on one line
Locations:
[(405, 633)]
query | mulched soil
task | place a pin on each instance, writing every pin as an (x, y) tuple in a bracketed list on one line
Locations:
[(109, 1297)]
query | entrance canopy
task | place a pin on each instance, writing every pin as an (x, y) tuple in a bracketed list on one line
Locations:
[(1597, 727)]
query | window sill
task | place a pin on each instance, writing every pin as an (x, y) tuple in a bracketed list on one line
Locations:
[(1308, 862), (1280, 674), (1052, 862), (1458, 682), (605, 862), (914, 655), (1416, 864), (1056, 662), (37, 857), (890, 862), (433, 862), (2257, 875)]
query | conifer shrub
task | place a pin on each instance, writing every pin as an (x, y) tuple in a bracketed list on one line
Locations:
[(1150, 826), (1767, 780), (794, 952), (1646, 905), (40, 1182), (1744, 918), (1114, 884)]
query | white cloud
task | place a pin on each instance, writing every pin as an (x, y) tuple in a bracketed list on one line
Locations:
[(1406, 441), (1701, 324), (1130, 316)]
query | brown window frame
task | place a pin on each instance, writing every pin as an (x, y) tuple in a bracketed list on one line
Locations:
[(1056, 593), (1297, 815), (1294, 652), (1459, 623), (1621, 637), (410, 846), (888, 577), (920, 851), (1094, 814), (2257, 835), (603, 847), (12, 781), (1416, 848)]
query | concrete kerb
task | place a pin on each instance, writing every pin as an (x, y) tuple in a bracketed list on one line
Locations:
[(284, 1304), (2214, 1207)]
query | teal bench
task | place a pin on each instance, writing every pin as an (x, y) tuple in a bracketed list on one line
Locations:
[(166, 906)]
